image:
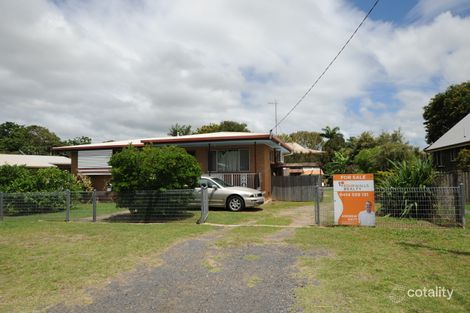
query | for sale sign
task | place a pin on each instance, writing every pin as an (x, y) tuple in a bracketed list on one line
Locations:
[(353, 196)]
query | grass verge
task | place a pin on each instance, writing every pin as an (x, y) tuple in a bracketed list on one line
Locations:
[(42, 263), (265, 214), (371, 270)]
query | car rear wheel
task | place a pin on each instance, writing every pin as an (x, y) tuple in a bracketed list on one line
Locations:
[(235, 203)]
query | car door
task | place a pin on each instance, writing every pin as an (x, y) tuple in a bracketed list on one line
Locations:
[(217, 194), (212, 191)]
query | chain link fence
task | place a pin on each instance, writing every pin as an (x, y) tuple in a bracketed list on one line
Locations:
[(187, 205), (403, 207)]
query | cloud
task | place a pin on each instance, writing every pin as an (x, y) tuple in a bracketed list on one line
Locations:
[(129, 69), (426, 10)]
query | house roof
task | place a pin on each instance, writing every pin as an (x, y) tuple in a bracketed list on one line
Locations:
[(102, 145), (296, 148), (218, 137), (458, 135), (34, 161)]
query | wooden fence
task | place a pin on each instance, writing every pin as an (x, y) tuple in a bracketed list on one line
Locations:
[(294, 188), (454, 179)]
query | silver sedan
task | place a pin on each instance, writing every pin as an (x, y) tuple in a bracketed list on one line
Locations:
[(223, 195)]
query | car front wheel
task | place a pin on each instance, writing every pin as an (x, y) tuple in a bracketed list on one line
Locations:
[(235, 203)]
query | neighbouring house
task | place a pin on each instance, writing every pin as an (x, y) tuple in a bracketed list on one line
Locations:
[(297, 148), (243, 159), (300, 169), (444, 151), (36, 161)]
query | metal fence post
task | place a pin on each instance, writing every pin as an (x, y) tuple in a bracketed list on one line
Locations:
[(461, 211), (93, 199), (317, 205), (1, 206), (67, 205), (204, 205)]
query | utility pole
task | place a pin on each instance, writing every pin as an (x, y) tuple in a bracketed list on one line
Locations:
[(275, 114)]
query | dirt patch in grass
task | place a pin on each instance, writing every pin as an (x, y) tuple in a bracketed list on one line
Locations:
[(299, 216)]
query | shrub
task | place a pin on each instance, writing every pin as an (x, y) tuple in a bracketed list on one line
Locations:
[(15, 178), (463, 160), (153, 169), (417, 172), (23, 184), (405, 193), (53, 179)]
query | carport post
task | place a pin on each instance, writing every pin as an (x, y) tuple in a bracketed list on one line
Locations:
[(1, 206), (93, 199), (67, 205)]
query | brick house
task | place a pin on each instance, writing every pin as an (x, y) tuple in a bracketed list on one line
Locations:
[(245, 159)]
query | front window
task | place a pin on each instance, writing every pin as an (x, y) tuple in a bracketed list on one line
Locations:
[(229, 161)]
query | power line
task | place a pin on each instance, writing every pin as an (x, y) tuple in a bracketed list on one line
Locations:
[(327, 67)]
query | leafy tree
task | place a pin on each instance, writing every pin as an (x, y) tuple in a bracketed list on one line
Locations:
[(224, 126), (378, 158), (12, 137), (307, 139), (179, 130), (365, 140), (152, 168), (82, 140), (463, 160), (31, 139), (445, 110), (340, 164), (39, 140)]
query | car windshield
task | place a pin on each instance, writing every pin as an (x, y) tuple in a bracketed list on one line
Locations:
[(221, 182)]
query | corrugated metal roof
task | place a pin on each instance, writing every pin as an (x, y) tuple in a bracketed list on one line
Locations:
[(457, 135), (218, 136), (33, 161), (297, 148), (104, 145)]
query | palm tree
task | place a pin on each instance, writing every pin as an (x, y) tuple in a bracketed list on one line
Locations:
[(330, 133), (334, 138)]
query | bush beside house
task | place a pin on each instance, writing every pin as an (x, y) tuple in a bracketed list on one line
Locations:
[(20, 184), (145, 179)]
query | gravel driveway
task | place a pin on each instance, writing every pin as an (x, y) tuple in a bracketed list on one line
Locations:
[(197, 276)]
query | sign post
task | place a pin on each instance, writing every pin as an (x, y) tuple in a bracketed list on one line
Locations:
[(354, 199)]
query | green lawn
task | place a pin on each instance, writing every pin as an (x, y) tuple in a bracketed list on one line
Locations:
[(77, 211), (358, 269), (350, 270), (43, 262), (265, 214)]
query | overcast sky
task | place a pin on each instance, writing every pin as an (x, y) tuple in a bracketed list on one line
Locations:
[(131, 69)]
